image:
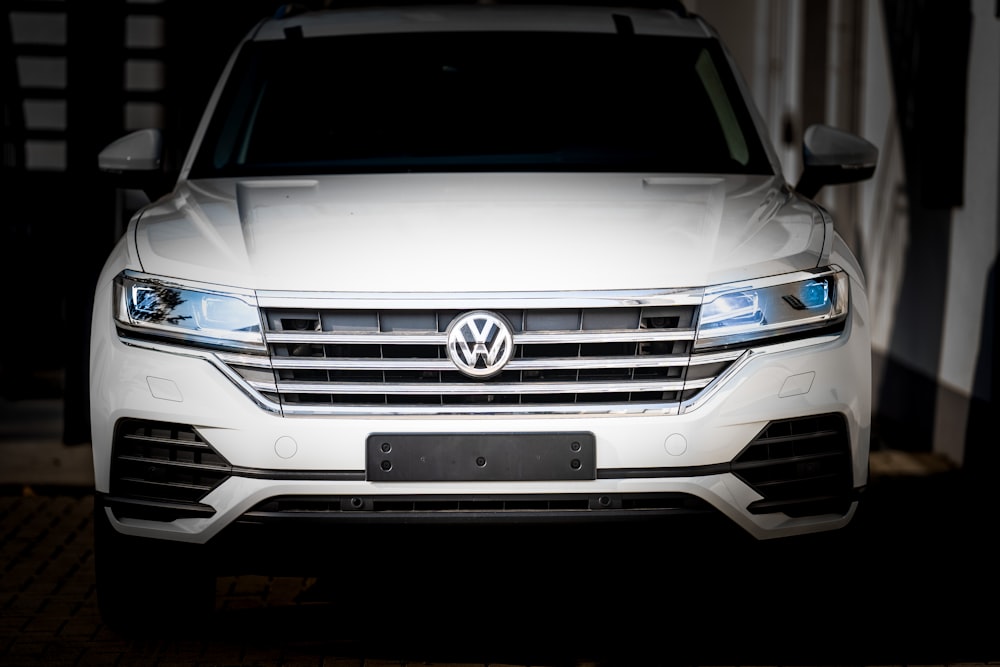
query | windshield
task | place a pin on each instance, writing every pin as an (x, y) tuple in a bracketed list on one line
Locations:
[(493, 101)]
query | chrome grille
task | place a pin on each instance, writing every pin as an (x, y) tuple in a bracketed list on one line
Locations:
[(335, 357)]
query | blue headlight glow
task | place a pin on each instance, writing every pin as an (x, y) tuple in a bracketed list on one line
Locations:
[(733, 309), (815, 294), (768, 308), (191, 316), (810, 295)]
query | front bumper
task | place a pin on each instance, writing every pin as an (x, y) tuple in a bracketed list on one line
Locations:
[(267, 468)]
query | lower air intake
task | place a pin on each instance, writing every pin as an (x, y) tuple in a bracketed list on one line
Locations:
[(801, 467), (442, 507), (162, 464)]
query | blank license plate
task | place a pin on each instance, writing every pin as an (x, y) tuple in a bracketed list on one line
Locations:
[(463, 457)]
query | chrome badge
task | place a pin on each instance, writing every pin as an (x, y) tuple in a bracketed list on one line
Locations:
[(480, 343)]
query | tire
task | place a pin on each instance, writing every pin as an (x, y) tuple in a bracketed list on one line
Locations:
[(148, 587)]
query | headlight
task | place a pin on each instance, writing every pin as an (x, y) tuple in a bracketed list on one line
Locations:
[(157, 308), (740, 313)]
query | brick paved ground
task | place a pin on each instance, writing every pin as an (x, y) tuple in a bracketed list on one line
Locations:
[(915, 583), (48, 605)]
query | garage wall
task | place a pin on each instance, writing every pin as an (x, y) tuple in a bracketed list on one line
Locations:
[(929, 255), (969, 361)]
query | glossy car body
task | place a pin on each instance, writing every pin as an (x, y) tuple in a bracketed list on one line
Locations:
[(479, 285)]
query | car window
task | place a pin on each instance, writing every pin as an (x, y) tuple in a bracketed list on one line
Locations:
[(494, 101)]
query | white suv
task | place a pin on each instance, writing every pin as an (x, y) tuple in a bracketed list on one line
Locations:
[(473, 263)]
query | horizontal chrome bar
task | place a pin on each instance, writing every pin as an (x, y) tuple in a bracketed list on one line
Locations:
[(326, 338), (441, 365), (244, 360), (477, 388), (480, 300), (603, 336), (485, 410), (714, 357), (193, 339), (322, 363), (436, 338)]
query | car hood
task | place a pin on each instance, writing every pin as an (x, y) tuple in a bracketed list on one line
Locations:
[(479, 232)]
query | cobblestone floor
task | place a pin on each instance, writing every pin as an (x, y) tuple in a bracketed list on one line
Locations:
[(914, 583)]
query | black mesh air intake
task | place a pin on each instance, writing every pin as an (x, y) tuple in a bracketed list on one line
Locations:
[(158, 463), (801, 466)]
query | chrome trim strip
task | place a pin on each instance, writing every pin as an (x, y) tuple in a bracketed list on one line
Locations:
[(565, 410), (252, 361), (603, 336), (709, 338), (269, 387), (192, 338), (480, 300), (573, 363), (699, 359), (530, 338), (234, 377), (745, 358), (248, 296), (320, 363), (325, 338), (475, 388), (716, 383)]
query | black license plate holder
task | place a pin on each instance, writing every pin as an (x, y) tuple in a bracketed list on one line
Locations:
[(494, 457)]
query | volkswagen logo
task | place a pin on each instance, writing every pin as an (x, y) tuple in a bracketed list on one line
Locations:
[(480, 343)]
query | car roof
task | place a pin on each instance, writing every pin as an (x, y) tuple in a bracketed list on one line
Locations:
[(360, 18)]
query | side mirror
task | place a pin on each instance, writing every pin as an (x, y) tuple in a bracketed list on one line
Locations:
[(135, 162), (138, 151), (831, 156)]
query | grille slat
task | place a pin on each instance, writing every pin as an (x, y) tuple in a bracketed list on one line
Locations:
[(572, 363), (168, 442), (175, 465), (818, 459), (156, 489), (417, 388), (320, 338), (438, 338), (334, 359)]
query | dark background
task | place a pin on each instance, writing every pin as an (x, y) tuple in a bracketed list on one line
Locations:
[(915, 580)]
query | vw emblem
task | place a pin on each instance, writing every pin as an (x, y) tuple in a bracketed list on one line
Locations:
[(480, 343)]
